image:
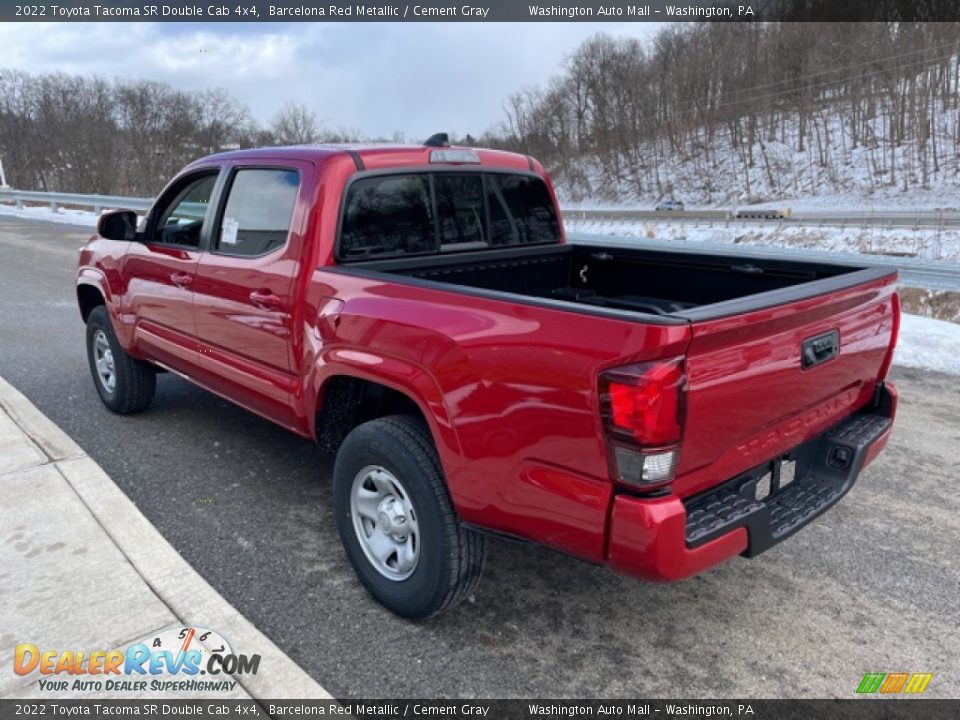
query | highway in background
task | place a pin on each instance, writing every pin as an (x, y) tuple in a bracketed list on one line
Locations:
[(921, 219)]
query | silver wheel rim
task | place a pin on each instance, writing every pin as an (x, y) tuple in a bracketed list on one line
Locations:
[(103, 359), (385, 522)]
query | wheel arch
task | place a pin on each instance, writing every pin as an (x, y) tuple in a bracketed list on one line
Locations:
[(348, 394), (92, 291)]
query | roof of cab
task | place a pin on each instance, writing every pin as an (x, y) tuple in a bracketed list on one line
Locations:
[(372, 156)]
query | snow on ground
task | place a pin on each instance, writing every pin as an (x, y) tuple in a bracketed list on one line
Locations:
[(930, 244), (929, 344), (947, 199), (84, 218)]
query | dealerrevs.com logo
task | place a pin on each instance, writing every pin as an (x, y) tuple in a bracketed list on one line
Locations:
[(178, 659)]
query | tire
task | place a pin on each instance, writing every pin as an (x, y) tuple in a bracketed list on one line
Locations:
[(397, 452), (133, 381)]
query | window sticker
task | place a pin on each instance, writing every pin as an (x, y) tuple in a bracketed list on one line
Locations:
[(228, 231)]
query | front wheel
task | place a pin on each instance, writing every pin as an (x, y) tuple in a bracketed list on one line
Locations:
[(396, 521), (125, 384)]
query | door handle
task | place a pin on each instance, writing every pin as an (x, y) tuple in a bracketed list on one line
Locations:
[(819, 349), (181, 279), (265, 299)]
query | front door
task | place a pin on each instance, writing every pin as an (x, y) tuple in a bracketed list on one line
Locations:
[(161, 271)]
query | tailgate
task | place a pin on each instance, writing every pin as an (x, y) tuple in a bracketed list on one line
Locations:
[(750, 397)]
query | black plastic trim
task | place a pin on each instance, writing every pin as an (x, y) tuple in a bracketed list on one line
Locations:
[(509, 537), (784, 296), (357, 160), (563, 306), (826, 469)]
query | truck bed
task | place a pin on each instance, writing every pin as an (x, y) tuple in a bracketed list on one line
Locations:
[(616, 280)]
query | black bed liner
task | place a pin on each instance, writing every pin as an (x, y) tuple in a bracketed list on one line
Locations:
[(660, 287)]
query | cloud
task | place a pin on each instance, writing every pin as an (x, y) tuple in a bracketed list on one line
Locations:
[(378, 78)]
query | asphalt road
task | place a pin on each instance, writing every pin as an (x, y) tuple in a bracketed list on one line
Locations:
[(870, 587)]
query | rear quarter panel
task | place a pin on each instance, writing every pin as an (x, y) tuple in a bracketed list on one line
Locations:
[(510, 390)]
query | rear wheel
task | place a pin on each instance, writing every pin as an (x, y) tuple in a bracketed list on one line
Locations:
[(125, 384), (396, 521)]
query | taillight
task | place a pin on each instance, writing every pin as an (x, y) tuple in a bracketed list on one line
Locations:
[(642, 407)]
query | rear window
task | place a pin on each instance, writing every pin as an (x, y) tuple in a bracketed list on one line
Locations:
[(419, 213), (388, 215), (526, 205)]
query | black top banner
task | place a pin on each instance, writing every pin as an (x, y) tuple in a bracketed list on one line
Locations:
[(486, 11)]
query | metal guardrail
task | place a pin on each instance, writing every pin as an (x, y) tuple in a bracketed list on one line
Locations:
[(919, 219), (910, 219), (55, 200)]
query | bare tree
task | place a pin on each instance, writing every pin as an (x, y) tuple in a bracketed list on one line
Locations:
[(296, 124)]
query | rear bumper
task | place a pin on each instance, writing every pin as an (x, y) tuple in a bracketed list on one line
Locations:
[(670, 539)]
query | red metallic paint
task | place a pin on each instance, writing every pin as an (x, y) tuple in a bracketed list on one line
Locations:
[(647, 540), (509, 390)]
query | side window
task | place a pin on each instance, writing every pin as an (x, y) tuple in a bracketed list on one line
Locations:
[(526, 199), (256, 219), (180, 222), (388, 215), (460, 213)]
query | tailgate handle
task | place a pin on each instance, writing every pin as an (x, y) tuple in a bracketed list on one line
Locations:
[(819, 349)]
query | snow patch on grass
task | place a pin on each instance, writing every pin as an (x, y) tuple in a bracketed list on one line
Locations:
[(928, 344), (83, 218)]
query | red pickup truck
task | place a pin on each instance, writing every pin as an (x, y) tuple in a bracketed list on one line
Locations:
[(418, 311)]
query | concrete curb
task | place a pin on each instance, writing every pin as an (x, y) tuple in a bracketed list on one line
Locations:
[(188, 596)]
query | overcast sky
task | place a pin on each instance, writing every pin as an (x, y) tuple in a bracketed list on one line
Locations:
[(418, 78)]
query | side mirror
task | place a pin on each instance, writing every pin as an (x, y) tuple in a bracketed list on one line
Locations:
[(118, 225)]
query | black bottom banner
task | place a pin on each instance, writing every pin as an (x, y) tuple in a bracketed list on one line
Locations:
[(872, 708)]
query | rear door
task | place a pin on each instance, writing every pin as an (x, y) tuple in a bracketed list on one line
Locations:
[(762, 382), (245, 297)]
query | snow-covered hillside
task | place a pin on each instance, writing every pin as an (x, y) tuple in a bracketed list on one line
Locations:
[(708, 173)]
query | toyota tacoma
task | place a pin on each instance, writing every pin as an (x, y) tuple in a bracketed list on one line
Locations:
[(418, 311)]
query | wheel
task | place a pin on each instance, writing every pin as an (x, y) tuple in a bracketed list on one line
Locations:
[(126, 385), (396, 522)]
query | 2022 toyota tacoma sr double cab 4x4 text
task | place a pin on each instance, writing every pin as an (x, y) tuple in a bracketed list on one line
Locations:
[(418, 311)]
